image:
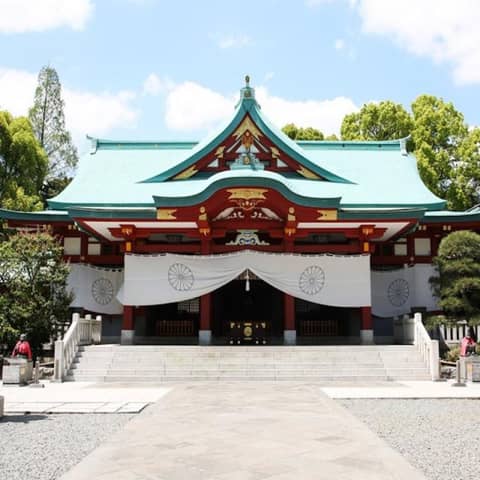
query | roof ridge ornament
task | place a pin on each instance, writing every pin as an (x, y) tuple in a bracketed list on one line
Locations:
[(247, 93)]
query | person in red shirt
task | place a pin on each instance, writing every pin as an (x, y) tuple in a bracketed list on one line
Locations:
[(22, 348), (469, 342)]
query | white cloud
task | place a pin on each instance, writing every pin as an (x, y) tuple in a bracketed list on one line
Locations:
[(326, 115), (232, 40), (191, 106), (85, 112), (98, 113), (154, 85), (17, 89), (442, 30), (339, 44), (19, 16)]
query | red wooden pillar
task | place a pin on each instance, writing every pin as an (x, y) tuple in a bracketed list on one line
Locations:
[(128, 325), (366, 329), (289, 330), (205, 329)]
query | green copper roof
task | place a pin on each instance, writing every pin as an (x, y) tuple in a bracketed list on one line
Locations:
[(123, 174), (446, 216), (297, 192), (43, 216)]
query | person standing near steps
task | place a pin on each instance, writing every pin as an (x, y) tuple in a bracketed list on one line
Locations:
[(22, 348), (468, 344)]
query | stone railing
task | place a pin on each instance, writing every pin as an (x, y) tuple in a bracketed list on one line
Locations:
[(82, 331), (428, 348)]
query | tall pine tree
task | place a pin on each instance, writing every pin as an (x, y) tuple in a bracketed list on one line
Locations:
[(48, 121)]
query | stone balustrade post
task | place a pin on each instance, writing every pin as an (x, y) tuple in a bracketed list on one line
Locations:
[(435, 360), (59, 362)]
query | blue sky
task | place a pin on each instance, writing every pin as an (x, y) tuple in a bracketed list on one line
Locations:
[(172, 69)]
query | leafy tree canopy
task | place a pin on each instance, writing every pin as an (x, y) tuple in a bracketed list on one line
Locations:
[(299, 133), (377, 121), (23, 163), (33, 278), (447, 152), (458, 285), (48, 120), (439, 132)]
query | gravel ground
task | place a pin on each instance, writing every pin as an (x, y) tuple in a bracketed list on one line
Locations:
[(439, 437), (43, 447)]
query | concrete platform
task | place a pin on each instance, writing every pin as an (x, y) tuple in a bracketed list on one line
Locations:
[(247, 431), (412, 390), (80, 397)]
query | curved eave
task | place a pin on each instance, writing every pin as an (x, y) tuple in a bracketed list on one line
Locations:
[(291, 148), (332, 202), (113, 213), (248, 106), (202, 150), (35, 216), (112, 206), (452, 217), (398, 206), (392, 213)]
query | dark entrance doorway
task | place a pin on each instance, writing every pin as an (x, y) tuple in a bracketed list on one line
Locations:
[(325, 325), (262, 303)]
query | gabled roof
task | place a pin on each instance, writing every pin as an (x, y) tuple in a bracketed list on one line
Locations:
[(367, 175), (247, 111)]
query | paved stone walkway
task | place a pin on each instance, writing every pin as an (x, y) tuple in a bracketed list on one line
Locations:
[(244, 431)]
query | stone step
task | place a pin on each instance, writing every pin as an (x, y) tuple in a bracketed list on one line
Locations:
[(192, 378), (247, 372), (189, 363), (330, 358)]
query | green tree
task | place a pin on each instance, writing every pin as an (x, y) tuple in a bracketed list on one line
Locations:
[(377, 121), (447, 153), (23, 163), (457, 286), (21, 202), (33, 278), (332, 138), (299, 133), (438, 133), (48, 120)]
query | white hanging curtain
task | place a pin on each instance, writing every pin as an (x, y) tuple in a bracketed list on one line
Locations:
[(342, 281), (395, 292), (95, 289)]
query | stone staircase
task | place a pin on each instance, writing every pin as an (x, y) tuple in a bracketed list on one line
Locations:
[(154, 364)]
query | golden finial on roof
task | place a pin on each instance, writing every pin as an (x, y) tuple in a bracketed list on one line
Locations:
[(247, 80)]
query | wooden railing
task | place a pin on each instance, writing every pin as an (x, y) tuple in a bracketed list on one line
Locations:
[(82, 331), (175, 328), (319, 328), (427, 347)]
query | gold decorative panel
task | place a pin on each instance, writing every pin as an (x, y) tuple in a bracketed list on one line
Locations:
[(166, 214), (189, 172), (327, 215)]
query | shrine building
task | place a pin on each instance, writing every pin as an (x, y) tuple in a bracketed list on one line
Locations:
[(248, 237)]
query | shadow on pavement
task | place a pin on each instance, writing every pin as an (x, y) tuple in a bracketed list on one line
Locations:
[(22, 418)]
